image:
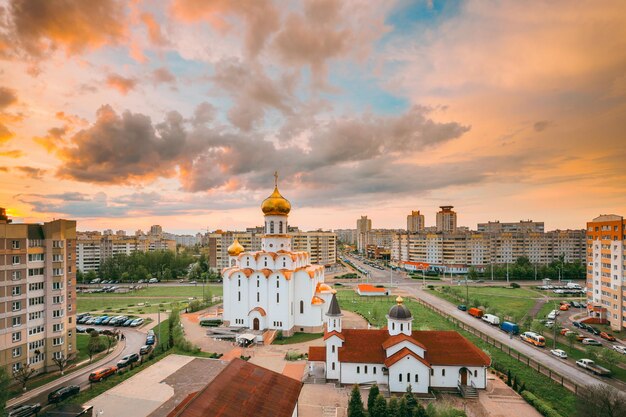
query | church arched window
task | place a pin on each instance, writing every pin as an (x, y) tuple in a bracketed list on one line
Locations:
[(301, 307), (232, 262), (272, 226), (280, 227)]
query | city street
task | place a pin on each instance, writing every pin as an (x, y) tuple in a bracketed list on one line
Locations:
[(134, 339)]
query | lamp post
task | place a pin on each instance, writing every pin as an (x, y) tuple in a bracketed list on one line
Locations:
[(507, 272)]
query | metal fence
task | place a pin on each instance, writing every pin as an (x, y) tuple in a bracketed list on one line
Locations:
[(553, 375)]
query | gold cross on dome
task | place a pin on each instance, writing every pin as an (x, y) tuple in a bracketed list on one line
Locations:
[(275, 178)]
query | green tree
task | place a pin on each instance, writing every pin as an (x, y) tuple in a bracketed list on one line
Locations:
[(90, 276), (411, 401), (5, 380), (610, 357), (403, 408), (355, 405), (571, 338), (80, 277), (393, 408), (592, 353), (379, 408), (371, 398), (94, 345)]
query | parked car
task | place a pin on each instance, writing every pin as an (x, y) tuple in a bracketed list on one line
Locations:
[(476, 312), (552, 315), (127, 360), (150, 332), (462, 307), (60, 394), (25, 410), (491, 319), (80, 329), (127, 322), (141, 281), (594, 330), (91, 320), (102, 373), (548, 323), (150, 340), (107, 320), (120, 321), (100, 319), (559, 353), (509, 327), (564, 330), (564, 307), (619, 348), (136, 322), (153, 281), (580, 337), (607, 336), (145, 349), (591, 342), (577, 324)]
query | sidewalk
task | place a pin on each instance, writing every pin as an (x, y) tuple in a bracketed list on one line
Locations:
[(68, 376)]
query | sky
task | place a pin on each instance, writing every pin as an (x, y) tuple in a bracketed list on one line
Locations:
[(124, 114)]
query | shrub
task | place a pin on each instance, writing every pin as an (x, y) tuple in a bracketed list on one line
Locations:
[(514, 285), (431, 287), (541, 406), (131, 305)]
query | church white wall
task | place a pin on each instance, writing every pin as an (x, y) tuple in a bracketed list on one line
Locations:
[(452, 376), (405, 344), (412, 367), (355, 373), (399, 326), (333, 357)]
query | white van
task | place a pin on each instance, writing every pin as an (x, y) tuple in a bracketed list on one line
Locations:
[(552, 315), (491, 319)]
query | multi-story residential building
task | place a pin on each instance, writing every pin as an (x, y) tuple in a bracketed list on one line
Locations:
[(37, 293), (446, 219), (521, 226), (93, 248), (363, 226), (415, 222), (346, 236), (606, 266), (321, 246), (480, 249), (184, 240)]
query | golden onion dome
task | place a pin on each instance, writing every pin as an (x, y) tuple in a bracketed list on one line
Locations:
[(236, 248), (276, 204)]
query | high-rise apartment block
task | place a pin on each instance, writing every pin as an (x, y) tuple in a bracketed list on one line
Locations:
[(446, 219), (37, 293), (415, 222), (347, 236), (93, 248), (606, 266), (363, 226), (521, 226)]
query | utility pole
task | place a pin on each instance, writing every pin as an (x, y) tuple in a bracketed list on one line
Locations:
[(535, 272), (159, 324), (491, 267), (507, 272), (555, 325), (466, 291)]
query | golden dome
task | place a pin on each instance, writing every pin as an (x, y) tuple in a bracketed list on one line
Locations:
[(399, 300), (236, 248), (276, 204)]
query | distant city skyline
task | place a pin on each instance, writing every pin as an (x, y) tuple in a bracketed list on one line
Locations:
[(178, 113)]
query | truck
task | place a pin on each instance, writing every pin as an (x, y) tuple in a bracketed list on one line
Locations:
[(491, 319), (509, 327), (476, 312), (591, 366)]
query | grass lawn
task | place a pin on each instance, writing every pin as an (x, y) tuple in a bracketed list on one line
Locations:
[(161, 291), (374, 310), (509, 303), (82, 340), (297, 338)]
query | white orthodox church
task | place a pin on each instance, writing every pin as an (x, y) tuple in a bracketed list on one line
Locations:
[(274, 288), (397, 356)]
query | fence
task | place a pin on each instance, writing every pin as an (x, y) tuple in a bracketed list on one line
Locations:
[(553, 375)]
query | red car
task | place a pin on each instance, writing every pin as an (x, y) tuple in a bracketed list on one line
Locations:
[(607, 336)]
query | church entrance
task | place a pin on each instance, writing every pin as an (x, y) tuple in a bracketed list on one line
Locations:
[(463, 373), (255, 326)]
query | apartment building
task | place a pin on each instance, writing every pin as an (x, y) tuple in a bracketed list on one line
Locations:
[(93, 248), (321, 246), (521, 226), (415, 222), (479, 249), (606, 266), (363, 227), (347, 236), (446, 219), (37, 293)]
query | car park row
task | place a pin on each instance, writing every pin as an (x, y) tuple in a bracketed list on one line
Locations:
[(116, 321)]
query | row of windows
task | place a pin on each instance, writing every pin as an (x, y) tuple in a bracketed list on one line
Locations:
[(35, 330), (37, 345), (278, 324), (36, 301), (36, 286), (36, 257), (35, 315)]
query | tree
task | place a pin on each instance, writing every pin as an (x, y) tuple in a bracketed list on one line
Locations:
[(371, 398), (411, 402), (600, 401), (61, 361), (4, 389), (355, 405), (592, 353), (571, 338), (537, 327), (90, 276), (610, 357), (379, 407), (24, 374), (94, 345), (403, 408), (393, 408), (111, 338)]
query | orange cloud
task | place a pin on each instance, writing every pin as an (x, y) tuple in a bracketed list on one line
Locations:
[(121, 84), (14, 153), (154, 29)]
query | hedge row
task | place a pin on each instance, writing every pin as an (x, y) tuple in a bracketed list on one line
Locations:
[(540, 405)]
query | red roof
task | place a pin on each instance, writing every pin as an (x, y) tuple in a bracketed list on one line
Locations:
[(317, 353), (402, 353), (442, 347), (421, 265), (394, 340), (370, 288), (244, 389), (334, 332)]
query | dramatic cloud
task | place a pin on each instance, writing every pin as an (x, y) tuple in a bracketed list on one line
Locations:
[(154, 30), (120, 83), (40, 26), (163, 76), (31, 172), (14, 153), (7, 97)]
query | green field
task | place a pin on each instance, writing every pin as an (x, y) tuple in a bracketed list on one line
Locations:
[(297, 338), (82, 340), (163, 291), (374, 310)]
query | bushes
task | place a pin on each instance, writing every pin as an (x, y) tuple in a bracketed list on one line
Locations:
[(514, 285), (540, 405)]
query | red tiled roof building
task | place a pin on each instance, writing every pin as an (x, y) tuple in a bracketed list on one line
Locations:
[(398, 356)]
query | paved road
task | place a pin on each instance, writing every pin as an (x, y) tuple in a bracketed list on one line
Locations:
[(540, 355), (134, 339)]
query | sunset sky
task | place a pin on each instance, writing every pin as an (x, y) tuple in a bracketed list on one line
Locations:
[(123, 114)]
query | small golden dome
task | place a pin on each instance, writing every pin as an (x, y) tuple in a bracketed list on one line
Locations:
[(236, 248), (276, 204), (399, 300)]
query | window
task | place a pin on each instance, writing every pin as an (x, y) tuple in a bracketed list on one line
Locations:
[(57, 272), (36, 345), (16, 275), (239, 282), (258, 297), (57, 313), (280, 227), (57, 299), (16, 352), (393, 326), (15, 244), (35, 330), (35, 286), (57, 341), (36, 315), (58, 355), (475, 373), (365, 369), (301, 307), (400, 377), (57, 327), (272, 226), (374, 370), (401, 327), (35, 271), (16, 291), (16, 259), (443, 372), (432, 372), (16, 306), (257, 283), (277, 283), (57, 258), (57, 243), (35, 257), (16, 321), (408, 377), (16, 336), (57, 285), (358, 369), (16, 367), (277, 298), (416, 378), (333, 349), (238, 295)]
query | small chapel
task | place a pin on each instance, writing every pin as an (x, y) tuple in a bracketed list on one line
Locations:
[(274, 288), (398, 356)]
